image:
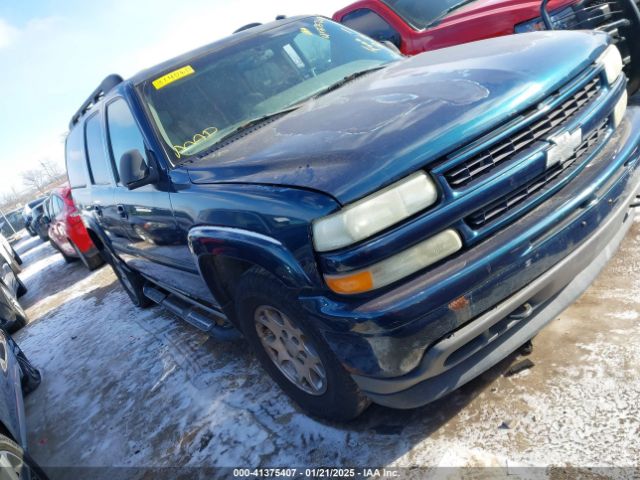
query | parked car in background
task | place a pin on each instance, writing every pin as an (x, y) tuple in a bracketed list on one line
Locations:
[(38, 223), (66, 231), (18, 378), (416, 26), (12, 315), (11, 223), (380, 228), (9, 255), (27, 215)]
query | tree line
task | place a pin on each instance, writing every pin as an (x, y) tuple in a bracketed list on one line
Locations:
[(38, 182)]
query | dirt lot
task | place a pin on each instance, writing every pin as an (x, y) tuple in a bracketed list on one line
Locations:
[(140, 388)]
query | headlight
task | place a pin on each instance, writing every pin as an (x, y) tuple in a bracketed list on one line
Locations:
[(612, 62), (620, 110), (374, 213), (398, 266)]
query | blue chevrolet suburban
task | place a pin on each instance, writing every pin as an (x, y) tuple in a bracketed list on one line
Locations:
[(378, 228)]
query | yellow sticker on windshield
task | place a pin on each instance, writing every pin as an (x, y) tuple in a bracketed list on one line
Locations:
[(318, 23), (173, 76)]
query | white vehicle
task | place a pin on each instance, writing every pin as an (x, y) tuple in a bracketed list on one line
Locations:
[(9, 255)]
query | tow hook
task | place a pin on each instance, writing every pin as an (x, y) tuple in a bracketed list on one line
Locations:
[(636, 203)]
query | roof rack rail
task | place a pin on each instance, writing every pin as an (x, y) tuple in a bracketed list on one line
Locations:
[(247, 27), (257, 24), (105, 86)]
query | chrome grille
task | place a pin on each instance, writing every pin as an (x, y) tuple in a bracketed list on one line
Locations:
[(495, 210), (483, 163)]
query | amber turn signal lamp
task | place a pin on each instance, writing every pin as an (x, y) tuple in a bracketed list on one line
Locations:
[(349, 284)]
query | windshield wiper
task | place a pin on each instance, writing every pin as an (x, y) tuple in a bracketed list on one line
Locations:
[(345, 80), (246, 125), (452, 8)]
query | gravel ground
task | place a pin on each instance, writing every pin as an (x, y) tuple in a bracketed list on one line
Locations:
[(124, 387)]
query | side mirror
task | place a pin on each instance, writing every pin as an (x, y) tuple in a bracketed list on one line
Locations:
[(134, 170)]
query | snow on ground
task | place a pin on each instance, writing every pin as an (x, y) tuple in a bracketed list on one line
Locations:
[(140, 388)]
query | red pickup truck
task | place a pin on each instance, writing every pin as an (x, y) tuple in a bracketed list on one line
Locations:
[(415, 26)]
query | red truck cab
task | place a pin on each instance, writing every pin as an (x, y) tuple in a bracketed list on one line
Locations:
[(416, 26)]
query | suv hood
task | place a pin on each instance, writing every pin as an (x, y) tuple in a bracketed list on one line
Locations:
[(392, 122)]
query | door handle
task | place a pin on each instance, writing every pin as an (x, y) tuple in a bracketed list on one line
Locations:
[(121, 211)]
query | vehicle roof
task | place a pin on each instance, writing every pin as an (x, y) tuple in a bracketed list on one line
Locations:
[(211, 47), (35, 202), (115, 84)]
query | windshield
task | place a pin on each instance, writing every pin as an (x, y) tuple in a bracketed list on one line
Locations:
[(423, 14), (211, 96)]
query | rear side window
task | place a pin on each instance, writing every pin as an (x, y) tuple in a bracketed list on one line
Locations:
[(370, 23), (58, 204), (76, 164), (123, 131), (53, 206), (100, 172)]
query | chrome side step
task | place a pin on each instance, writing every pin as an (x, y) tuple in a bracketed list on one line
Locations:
[(203, 319)]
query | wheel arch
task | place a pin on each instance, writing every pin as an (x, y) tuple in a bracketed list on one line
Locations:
[(92, 231), (224, 254)]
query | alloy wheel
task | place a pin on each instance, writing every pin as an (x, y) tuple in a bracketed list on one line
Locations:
[(290, 350), (11, 466)]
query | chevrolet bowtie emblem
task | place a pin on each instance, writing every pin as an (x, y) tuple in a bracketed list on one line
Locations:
[(563, 147)]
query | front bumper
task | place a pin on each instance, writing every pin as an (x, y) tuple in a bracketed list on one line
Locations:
[(415, 343), (485, 341)]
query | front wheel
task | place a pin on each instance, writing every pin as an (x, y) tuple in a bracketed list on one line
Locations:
[(16, 463), (292, 351)]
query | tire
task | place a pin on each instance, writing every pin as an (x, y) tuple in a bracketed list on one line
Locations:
[(17, 324), (43, 237), (132, 282), (19, 462), (66, 257), (31, 376), (334, 397), (19, 316), (16, 257), (91, 263), (15, 266), (22, 289)]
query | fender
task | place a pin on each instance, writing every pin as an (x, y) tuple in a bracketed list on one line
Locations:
[(251, 247), (91, 225)]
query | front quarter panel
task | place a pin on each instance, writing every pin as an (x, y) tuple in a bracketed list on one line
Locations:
[(264, 225)]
